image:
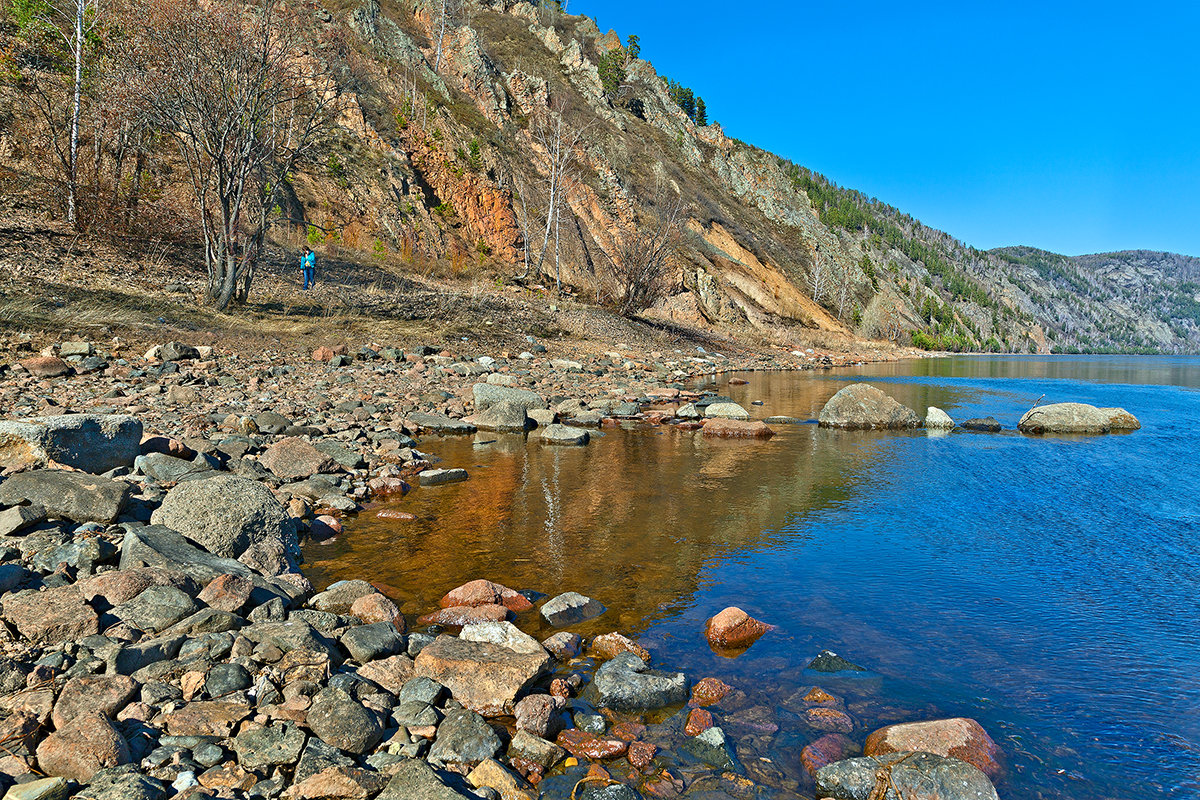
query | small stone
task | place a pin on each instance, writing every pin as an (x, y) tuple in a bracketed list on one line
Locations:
[(698, 721), (829, 661), (582, 744), (484, 592), (611, 645), (536, 714), (375, 607), (564, 645), (570, 608), (276, 745), (439, 477), (227, 593), (338, 720), (464, 737), (710, 691), (733, 629)]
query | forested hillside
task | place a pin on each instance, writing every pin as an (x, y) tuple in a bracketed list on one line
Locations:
[(509, 142)]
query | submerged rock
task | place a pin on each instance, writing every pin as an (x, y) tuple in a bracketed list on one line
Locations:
[(912, 776), (984, 424), (862, 406), (733, 629), (829, 661), (570, 608), (960, 738), (737, 429), (626, 683)]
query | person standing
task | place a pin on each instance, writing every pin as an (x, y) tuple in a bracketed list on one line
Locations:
[(308, 266)]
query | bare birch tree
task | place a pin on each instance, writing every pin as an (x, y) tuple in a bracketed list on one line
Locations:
[(245, 104), (559, 142), (444, 16), (819, 277)]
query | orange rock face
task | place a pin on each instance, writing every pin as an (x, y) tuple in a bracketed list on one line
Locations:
[(960, 738), (733, 628), (698, 721)]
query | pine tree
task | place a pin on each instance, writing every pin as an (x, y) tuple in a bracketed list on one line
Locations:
[(634, 47), (701, 112)]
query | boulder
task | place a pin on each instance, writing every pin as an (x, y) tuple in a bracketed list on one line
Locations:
[(227, 593), (726, 411), (439, 477), (464, 737), (458, 616), (484, 592), (166, 551), (74, 496), (626, 683), (122, 783), (55, 615), (82, 748), (45, 366), (563, 435), (86, 694), (226, 515), (392, 674), (168, 469), (494, 775), (913, 776), (483, 676), (504, 634), (93, 443), (375, 607), (295, 459), (829, 661), (570, 608), (829, 748), (413, 779), (983, 424), (440, 423), (721, 428), (340, 721), (177, 351), (938, 420), (18, 518), (340, 597), (733, 629), (487, 395), (504, 417), (367, 643), (960, 737), (156, 609), (1075, 418), (275, 745), (861, 406)]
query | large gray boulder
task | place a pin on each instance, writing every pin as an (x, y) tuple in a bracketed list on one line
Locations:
[(75, 496), (487, 395), (94, 443), (340, 721), (464, 737), (626, 683), (861, 406), (507, 416), (226, 515), (916, 776), (413, 779), (1076, 418)]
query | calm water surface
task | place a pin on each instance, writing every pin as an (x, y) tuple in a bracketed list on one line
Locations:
[(1045, 586)]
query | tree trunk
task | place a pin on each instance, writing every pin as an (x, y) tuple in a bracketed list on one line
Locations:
[(73, 171)]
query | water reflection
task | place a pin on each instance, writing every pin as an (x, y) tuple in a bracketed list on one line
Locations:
[(1044, 586)]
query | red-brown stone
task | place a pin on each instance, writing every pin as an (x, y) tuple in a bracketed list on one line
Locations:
[(458, 616), (734, 629), (582, 744), (829, 748), (641, 754), (710, 691), (737, 429), (960, 737), (698, 721), (483, 592)]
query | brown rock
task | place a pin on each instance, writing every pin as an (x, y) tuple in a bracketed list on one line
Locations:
[(495, 775), (819, 697), (535, 714), (483, 592), (582, 744), (641, 754), (960, 737), (106, 694), (295, 458), (390, 673), (119, 586), (227, 776), (734, 629), (698, 721), (611, 645), (484, 677), (709, 692), (560, 688), (458, 616), (737, 429), (338, 783), (46, 366), (829, 748), (205, 718), (227, 593), (829, 719), (628, 731), (323, 353), (377, 608), (53, 616), (77, 751)]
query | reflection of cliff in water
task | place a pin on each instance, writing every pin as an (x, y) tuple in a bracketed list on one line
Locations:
[(635, 519)]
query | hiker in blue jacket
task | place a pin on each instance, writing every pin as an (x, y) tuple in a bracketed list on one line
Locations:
[(308, 265)]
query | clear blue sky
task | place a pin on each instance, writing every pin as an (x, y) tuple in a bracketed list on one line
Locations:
[(1074, 127)]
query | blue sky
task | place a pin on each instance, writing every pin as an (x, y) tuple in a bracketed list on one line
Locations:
[(1068, 126)]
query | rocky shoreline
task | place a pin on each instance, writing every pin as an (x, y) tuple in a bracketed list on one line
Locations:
[(162, 640)]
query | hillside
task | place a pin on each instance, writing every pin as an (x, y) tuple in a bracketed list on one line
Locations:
[(443, 162)]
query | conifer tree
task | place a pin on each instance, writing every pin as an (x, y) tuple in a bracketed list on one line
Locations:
[(634, 47), (701, 112)]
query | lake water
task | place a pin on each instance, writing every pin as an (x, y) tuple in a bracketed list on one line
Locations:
[(1047, 587)]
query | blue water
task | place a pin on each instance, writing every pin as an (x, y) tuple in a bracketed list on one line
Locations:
[(1047, 587)]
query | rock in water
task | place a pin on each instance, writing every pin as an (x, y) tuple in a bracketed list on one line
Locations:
[(564, 435), (915, 776), (829, 661), (737, 429), (726, 411), (507, 416), (984, 424), (733, 629), (75, 496), (1075, 418), (93, 443), (961, 738), (226, 515), (938, 420), (626, 683), (570, 608), (861, 406), (440, 477)]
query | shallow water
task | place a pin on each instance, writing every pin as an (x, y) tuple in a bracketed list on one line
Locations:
[(1044, 586)]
